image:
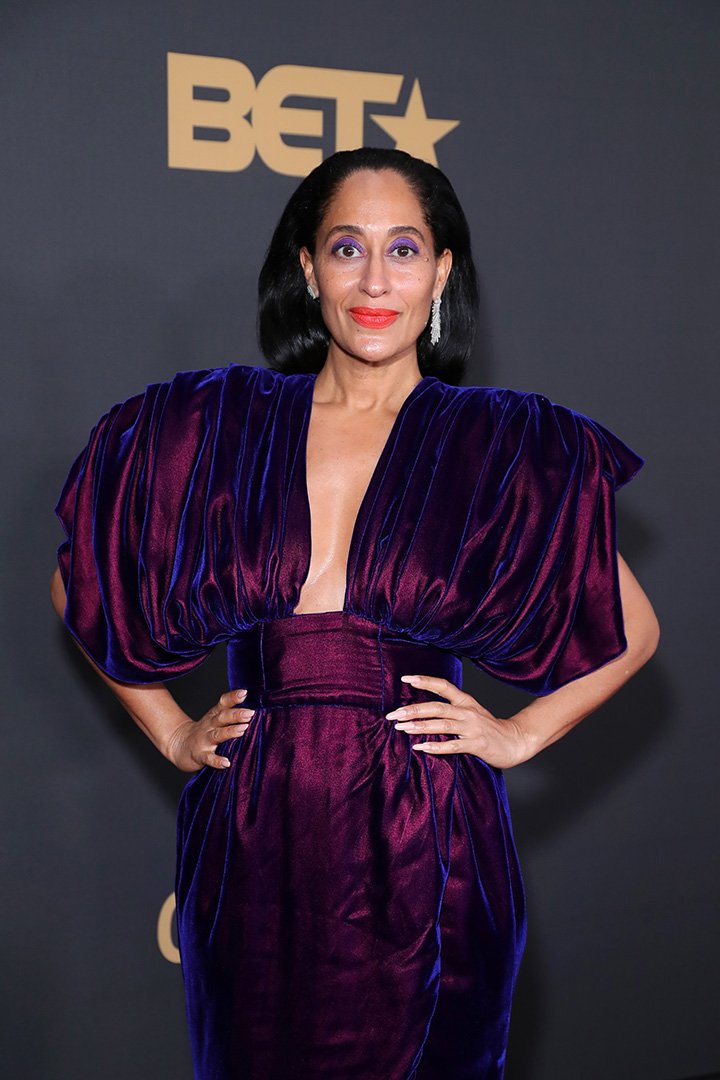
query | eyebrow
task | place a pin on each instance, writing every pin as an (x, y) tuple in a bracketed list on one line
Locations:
[(397, 230)]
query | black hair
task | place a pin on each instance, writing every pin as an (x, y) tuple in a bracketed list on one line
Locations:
[(291, 332)]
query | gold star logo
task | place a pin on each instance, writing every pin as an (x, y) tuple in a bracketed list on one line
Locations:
[(415, 132)]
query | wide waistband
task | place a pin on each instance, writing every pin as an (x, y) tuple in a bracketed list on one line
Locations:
[(333, 658)]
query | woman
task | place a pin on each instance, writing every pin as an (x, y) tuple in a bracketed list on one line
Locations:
[(351, 522)]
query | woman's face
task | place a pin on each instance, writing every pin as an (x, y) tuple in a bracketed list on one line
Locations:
[(375, 268)]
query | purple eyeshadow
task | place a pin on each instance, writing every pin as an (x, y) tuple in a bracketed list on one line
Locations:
[(404, 242), (346, 241)]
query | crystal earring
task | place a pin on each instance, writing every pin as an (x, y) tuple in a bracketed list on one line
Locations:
[(312, 292), (435, 321)]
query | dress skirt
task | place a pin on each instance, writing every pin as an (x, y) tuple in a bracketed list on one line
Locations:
[(348, 908)]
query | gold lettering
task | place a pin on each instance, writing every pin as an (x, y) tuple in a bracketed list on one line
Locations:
[(349, 89), (186, 71), (353, 89), (239, 137), (165, 940)]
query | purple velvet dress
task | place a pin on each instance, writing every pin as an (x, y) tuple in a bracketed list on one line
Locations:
[(348, 908)]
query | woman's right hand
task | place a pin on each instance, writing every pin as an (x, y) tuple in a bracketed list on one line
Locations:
[(193, 743)]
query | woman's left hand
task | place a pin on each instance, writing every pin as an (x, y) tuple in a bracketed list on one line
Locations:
[(501, 743)]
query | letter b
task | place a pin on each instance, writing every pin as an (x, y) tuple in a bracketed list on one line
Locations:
[(185, 72)]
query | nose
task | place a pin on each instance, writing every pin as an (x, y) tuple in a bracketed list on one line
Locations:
[(375, 280)]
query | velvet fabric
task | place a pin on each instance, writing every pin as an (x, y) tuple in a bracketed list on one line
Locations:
[(347, 907)]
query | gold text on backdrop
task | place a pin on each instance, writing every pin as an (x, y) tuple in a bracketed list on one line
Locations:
[(218, 96), (165, 932)]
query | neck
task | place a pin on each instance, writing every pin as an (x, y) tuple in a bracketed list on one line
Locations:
[(362, 383)]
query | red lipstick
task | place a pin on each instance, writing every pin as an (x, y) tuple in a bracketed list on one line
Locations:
[(373, 318)]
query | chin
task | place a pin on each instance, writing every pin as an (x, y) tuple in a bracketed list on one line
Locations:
[(376, 349)]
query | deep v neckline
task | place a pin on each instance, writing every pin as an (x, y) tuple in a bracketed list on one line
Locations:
[(375, 480)]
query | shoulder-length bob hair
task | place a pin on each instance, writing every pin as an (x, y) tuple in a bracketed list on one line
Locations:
[(291, 332)]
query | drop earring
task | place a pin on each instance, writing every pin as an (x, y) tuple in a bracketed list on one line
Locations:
[(312, 292), (435, 321)]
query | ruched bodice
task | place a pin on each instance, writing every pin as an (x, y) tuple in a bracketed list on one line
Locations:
[(487, 528), (279, 663)]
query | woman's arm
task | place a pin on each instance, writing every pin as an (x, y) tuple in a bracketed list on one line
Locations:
[(547, 719), (187, 743), (508, 742)]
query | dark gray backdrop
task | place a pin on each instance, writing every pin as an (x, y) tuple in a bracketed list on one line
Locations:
[(587, 160)]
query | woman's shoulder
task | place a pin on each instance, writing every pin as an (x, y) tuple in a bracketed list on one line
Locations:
[(195, 387), (233, 375), (188, 405), (496, 406), (508, 403), (506, 396), (537, 430), (557, 432)]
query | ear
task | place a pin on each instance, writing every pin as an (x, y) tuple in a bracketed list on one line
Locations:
[(306, 261), (444, 266)]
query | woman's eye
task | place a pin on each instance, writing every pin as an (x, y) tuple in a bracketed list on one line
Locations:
[(346, 250), (404, 251)]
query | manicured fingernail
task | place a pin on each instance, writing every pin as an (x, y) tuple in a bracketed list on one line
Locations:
[(396, 714), (225, 763), (241, 694), (408, 678), (420, 746)]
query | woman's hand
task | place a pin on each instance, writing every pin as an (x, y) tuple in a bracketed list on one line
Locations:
[(193, 743), (502, 743)]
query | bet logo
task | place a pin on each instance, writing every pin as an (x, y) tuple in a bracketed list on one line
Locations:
[(219, 118)]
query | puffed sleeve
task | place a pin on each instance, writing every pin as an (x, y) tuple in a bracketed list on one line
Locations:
[(131, 507), (551, 610)]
